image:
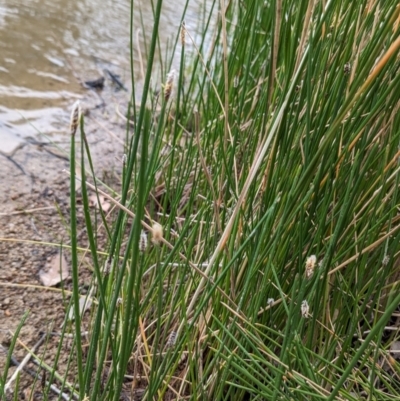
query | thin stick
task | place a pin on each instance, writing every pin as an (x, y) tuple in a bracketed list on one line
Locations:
[(24, 362), (39, 287), (21, 366), (39, 209)]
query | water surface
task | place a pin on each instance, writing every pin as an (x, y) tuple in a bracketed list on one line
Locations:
[(47, 46)]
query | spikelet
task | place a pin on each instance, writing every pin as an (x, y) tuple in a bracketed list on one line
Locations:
[(107, 266), (305, 309), (157, 233), (183, 358), (347, 68), (75, 115), (171, 339), (183, 34), (169, 84), (143, 241), (310, 265)]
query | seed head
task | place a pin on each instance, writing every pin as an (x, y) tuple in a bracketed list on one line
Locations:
[(157, 233), (75, 115), (107, 266), (305, 309), (183, 34), (143, 241), (169, 84), (270, 301), (183, 358), (310, 265), (171, 339), (347, 68)]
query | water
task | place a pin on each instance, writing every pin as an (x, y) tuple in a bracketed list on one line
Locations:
[(47, 45)]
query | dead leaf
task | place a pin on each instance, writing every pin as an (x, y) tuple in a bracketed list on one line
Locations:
[(84, 304), (55, 271), (104, 204)]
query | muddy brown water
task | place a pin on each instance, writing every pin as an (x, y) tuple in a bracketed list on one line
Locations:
[(45, 45)]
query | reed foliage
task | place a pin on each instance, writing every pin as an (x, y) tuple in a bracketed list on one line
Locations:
[(255, 251), (277, 141)]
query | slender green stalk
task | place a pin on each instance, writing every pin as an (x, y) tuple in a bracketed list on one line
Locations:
[(100, 281), (75, 118), (136, 230)]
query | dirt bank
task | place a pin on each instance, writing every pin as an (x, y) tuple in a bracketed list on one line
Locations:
[(34, 219)]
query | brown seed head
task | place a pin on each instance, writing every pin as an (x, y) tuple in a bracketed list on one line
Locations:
[(183, 34), (157, 233), (169, 84), (75, 115)]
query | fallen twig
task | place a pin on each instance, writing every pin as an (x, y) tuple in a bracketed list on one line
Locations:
[(27, 211), (21, 366)]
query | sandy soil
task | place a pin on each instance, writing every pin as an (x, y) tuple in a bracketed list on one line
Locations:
[(34, 218)]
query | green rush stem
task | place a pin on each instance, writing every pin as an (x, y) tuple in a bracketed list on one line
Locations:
[(137, 226), (75, 275), (102, 308)]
